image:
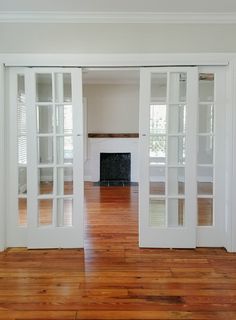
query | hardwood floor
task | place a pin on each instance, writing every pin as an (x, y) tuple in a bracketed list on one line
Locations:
[(114, 279), (205, 205)]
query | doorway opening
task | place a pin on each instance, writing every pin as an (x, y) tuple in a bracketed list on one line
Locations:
[(112, 122), (179, 133), (111, 160)]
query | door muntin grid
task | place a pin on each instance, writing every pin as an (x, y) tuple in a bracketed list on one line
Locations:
[(54, 114), (206, 150), (167, 149), (21, 150)]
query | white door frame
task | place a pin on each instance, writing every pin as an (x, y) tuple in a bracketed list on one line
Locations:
[(118, 60), (230, 204), (2, 161)]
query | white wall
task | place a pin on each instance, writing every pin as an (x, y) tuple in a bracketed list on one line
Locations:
[(116, 38), (119, 6), (112, 108)]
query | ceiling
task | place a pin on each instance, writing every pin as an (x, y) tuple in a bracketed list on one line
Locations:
[(167, 6)]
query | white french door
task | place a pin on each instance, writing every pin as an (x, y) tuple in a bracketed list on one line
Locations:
[(46, 119), (168, 109), (181, 157)]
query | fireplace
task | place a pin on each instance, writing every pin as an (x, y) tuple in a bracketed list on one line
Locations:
[(96, 146), (115, 167)]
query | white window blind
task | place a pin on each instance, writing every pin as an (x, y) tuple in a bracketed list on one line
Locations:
[(157, 130), (22, 150), (21, 120), (21, 132)]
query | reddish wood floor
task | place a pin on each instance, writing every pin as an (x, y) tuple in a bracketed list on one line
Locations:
[(114, 279)]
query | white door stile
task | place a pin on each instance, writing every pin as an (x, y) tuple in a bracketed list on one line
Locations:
[(144, 116), (220, 158), (32, 160), (3, 160), (78, 138), (231, 218), (191, 152), (230, 223), (215, 235)]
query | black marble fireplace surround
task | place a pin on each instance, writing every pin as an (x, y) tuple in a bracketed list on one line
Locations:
[(115, 169)]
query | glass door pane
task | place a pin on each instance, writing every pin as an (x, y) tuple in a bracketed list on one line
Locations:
[(22, 150), (205, 159), (44, 92)]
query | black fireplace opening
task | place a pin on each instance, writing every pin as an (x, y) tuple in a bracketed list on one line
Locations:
[(115, 169)]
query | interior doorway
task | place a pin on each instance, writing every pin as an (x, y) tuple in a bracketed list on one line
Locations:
[(175, 115), (111, 164)]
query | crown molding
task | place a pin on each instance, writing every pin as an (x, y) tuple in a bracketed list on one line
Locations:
[(116, 17)]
